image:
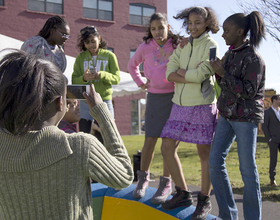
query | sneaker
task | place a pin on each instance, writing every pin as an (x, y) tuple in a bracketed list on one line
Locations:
[(203, 207), (181, 198), (164, 190), (142, 185)]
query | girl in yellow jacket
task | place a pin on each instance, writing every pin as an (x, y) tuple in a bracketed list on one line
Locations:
[(194, 111)]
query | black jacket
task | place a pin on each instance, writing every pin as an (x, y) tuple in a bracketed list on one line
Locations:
[(271, 126), (242, 87)]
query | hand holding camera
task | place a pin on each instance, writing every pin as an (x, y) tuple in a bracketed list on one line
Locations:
[(91, 74), (88, 76), (96, 75), (92, 98)]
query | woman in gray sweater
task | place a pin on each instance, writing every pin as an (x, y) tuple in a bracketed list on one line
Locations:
[(44, 172)]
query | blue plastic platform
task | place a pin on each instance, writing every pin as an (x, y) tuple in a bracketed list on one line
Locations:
[(122, 201)]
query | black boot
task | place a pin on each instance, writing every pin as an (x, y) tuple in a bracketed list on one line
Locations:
[(203, 207), (182, 198)]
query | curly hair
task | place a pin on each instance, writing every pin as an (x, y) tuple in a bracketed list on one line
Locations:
[(27, 86), (159, 16), (85, 33), (208, 14)]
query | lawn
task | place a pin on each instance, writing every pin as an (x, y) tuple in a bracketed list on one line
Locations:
[(191, 165)]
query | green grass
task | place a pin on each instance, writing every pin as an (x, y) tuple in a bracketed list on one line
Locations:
[(191, 164)]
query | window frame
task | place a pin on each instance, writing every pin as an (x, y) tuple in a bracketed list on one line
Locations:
[(142, 9), (97, 10), (111, 49), (45, 6), (141, 66)]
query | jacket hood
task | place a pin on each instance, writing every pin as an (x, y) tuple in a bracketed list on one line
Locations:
[(34, 151)]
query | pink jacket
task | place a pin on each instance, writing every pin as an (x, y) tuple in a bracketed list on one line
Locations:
[(155, 59)]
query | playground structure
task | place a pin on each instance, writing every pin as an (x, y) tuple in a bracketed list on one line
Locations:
[(109, 203)]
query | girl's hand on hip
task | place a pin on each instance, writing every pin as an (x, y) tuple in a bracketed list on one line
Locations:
[(146, 85)]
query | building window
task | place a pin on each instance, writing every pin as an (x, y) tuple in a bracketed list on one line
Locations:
[(51, 6), (132, 52), (2, 2), (139, 13), (110, 49), (98, 9)]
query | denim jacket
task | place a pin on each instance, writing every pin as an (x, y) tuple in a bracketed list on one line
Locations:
[(242, 87)]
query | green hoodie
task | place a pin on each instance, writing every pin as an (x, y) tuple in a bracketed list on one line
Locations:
[(106, 63)]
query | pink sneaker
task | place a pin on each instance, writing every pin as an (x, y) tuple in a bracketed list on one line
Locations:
[(164, 190), (142, 185)]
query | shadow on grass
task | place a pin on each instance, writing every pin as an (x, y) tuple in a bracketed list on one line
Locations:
[(268, 193)]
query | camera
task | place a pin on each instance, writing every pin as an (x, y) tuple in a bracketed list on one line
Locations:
[(76, 91), (212, 52), (92, 70)]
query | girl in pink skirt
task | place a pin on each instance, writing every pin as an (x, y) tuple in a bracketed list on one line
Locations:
[(194, 111)]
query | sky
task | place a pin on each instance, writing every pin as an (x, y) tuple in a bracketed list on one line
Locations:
[(269, 48)]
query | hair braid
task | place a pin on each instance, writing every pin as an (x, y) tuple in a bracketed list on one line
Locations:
[(52, 22)]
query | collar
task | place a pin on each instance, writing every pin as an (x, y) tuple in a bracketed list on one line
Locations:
[(33, 151), (245, 44), (197, 40), (275, 109)]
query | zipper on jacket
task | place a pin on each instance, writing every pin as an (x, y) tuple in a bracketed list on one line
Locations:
[(186, 69)]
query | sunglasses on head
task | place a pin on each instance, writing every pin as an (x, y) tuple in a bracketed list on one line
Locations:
[(90, 29)]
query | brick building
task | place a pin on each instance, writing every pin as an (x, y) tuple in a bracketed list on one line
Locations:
[(119, 22)]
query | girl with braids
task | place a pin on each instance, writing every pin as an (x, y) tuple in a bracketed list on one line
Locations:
[(159, 44), (48, 43), (95, 65), (193, 115), (44, 172), (241, 76)]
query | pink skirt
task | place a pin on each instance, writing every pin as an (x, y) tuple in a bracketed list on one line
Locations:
[(192, 124)]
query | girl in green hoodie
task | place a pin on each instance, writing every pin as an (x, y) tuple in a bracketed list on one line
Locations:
[(95, 65)]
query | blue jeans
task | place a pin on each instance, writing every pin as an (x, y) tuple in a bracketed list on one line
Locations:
[(110, 107), (246, 138), (84, 109)]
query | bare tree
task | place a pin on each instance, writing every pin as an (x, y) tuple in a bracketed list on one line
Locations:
[(270, 10)]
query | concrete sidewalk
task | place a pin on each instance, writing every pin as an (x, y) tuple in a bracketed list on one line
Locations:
[(270, 210)]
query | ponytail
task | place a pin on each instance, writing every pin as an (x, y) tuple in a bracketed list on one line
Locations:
[(256, 27), (253, 23)]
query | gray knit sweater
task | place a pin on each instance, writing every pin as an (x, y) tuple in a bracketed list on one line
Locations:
[(45, 174)]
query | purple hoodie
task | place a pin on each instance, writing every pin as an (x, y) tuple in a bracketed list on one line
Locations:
[(155, 59)]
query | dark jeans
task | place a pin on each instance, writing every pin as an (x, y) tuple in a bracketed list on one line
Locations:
[(85, 126), (273, 150)]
